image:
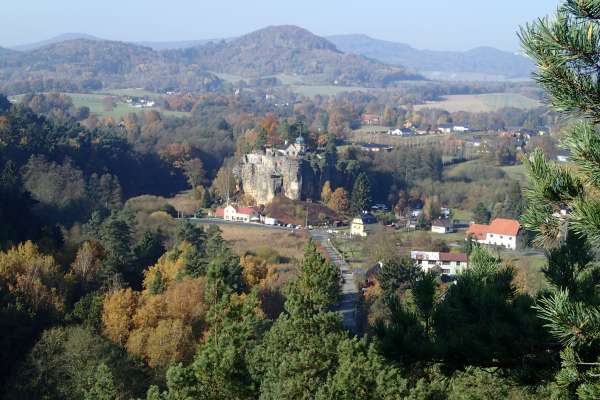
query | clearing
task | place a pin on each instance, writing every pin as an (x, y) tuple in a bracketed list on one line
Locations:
[(482, 102)]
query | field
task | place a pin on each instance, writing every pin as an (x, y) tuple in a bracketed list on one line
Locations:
[(482, 102), (249, 238), (518, 173), (96, 105), (366, 135), (324, 90)]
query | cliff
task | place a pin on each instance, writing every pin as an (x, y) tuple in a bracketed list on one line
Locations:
[(265, 175)]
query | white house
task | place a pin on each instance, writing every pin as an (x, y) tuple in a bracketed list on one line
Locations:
[(358, 226), (240, 214), (445, 128), (460, 128), (450, 263), (401, 132), (442, 226), (501, 232)]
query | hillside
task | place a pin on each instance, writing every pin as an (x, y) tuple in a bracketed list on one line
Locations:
[(481, 62), (84, 65), (57, 39), (5, 52), (291, 50)]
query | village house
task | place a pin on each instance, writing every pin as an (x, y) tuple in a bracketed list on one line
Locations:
[(460, 128), (442, 226), (360, 224), (370, 119), (238, 214), (445, 128), (449, 263), (401, 132), (500, 232)]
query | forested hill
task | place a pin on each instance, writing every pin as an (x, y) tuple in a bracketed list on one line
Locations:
[(5, 52), (87, 64), (292, 50), (481, 60), (84, 65)]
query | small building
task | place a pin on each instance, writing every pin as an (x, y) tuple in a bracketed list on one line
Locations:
[(359, 225), (449, 263), (240, 214), (500, 232), (442, 226), (370, 119), (373, 147), (401, 132), (445, 128)]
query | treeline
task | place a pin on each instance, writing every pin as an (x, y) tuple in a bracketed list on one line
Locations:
[(59, 171)]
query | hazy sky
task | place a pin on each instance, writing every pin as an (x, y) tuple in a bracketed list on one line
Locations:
[(432, 24)]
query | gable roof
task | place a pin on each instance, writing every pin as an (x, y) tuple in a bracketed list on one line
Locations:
[(499, 226), (502, 226), (458, 257), (478, 230), (442, 223)]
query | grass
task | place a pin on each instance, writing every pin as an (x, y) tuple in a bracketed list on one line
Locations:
[(363, 135), (94, 101), (133, 92), (245, 238), (482, 102), (518, 173), (324, 90)]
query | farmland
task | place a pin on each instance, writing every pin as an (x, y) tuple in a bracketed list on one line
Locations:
[(482, 102)]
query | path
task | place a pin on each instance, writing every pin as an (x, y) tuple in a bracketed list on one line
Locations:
[(349, 291)]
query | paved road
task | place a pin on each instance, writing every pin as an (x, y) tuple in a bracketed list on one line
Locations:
[(349, 291)]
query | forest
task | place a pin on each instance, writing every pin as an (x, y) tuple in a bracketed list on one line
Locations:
[(106, 294)]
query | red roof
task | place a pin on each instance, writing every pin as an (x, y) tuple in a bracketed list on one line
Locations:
[(220, 212), (246, 210), (458, 257), (499, 226), (478, 230)]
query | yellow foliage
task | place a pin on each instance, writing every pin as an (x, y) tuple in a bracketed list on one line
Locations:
[(162, 328), (254, 270), (33, 276), (117, 311), (170, 341), (170, 265)]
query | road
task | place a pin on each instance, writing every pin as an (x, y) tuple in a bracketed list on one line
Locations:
[(349, 291)]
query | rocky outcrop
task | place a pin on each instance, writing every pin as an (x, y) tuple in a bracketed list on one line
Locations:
[(266, 175)]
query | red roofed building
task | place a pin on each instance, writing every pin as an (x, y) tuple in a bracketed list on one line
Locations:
[(501, 232), (238, 214), (370, 119)]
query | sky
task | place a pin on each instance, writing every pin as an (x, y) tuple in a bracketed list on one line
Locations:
[(425, 24)]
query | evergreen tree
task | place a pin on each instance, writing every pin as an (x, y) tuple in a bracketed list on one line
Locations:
[(102, 385), (361, 194), (564, 202), (481, 215)]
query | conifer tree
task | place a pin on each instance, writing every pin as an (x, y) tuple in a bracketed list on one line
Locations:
[(361, 194), (564, 201)]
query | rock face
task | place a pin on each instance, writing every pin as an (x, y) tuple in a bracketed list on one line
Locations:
[(269, 174)]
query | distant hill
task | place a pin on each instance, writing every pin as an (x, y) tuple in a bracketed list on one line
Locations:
[(5, 51), (78, 62), (85, 65), (480, 63), (57, 39), (174, 45), (291, 50)]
